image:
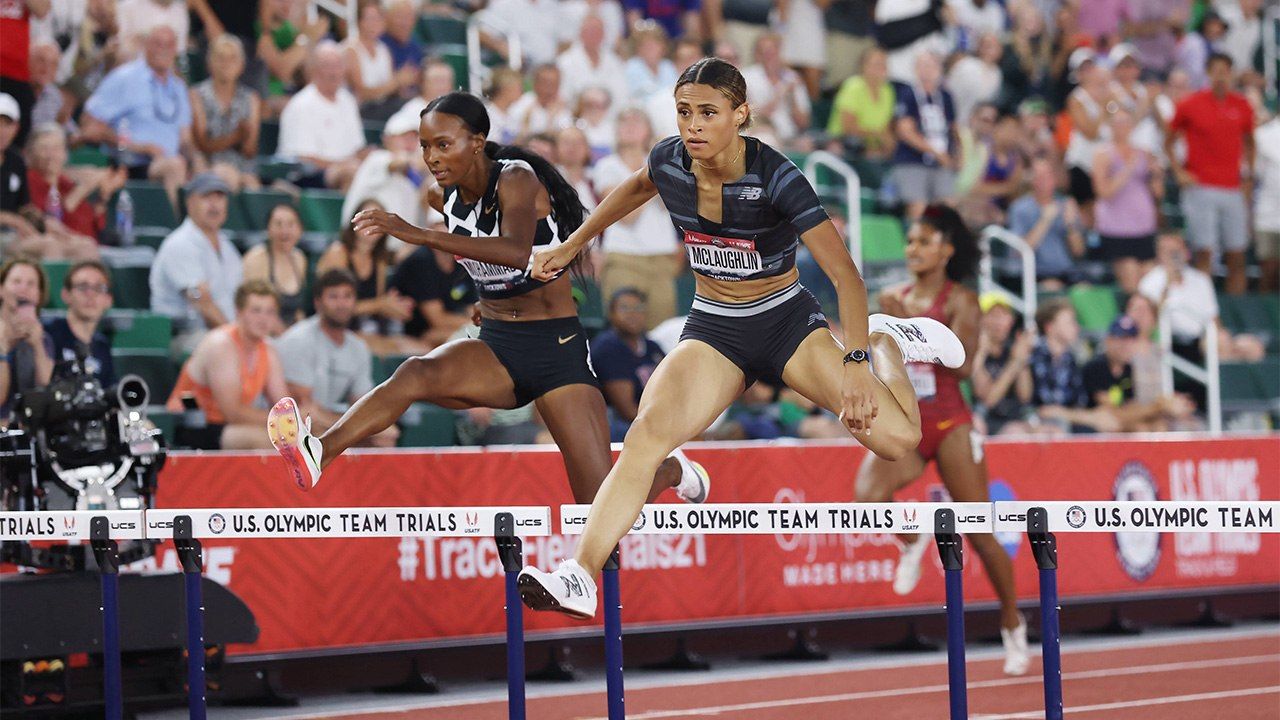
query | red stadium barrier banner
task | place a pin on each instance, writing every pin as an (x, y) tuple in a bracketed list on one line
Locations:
[(321, 593)]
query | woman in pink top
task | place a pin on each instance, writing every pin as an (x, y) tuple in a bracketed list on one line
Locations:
[(1128, 181)]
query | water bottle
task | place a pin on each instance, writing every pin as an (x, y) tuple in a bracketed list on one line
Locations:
[(124, 217), (53, 207)]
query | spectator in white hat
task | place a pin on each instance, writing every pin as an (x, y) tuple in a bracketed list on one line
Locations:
[(393, 175)]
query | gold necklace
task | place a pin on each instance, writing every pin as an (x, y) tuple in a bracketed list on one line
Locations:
[(728, 164)]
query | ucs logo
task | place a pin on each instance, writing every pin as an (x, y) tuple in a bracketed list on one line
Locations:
[(528, 522)]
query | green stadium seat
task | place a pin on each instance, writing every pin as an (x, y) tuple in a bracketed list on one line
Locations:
[(257, 204), (151, 206), (150, 238), (384, 366), (427, 425), (1238, 384), (237, 218), (441, 30), (456, 57), (321, 211), (141, 330), (1266, 374), (883, 239), (88, 156), (1251, 313), (268, 137), (166, 422), (131, 287), (373, 133), (1095, 306), (56, 272), (153, 366), (196, 65)]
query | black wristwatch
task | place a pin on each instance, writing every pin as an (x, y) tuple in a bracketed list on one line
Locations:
[(857, 356)]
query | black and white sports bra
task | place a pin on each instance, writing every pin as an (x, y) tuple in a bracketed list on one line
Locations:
[(483, 219)]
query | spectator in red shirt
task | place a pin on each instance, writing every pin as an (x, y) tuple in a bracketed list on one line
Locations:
[(1218, 126), (15, 55), (74, 208)]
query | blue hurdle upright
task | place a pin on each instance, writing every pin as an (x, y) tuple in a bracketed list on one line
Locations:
[(1044, 546), (107, 553), (191, 558), (510, 551), (613, 638), (951, 550)]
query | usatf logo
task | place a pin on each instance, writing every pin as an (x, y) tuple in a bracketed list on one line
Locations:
[(909, 519), (750, 193), (640, 521), (69, 522), (1076, 516), (473, 519), (1138, 552), (217, 523)]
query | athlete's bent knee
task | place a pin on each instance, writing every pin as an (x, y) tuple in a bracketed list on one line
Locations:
[(647, 433), (417, 375)]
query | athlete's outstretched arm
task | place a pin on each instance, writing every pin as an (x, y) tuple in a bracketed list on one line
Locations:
[(858, 387), (518, 190), (625, 199)]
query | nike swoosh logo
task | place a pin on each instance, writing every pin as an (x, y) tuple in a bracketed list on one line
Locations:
[(489, 210), (946, 424), (565, 340)]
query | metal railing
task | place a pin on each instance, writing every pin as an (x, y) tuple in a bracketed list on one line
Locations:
[(1271, 50), (1209, 375), (1026, 302), (346, 9), (853, 196), (478, 73)]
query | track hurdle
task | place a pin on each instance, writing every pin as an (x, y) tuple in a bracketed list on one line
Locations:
[(102, 529), (1040, 520), (950, 520), (186, 527)]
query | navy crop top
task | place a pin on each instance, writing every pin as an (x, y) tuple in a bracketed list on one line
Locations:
[(764, 212)]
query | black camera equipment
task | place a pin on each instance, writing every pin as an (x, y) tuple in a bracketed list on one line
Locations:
[(79, 446)]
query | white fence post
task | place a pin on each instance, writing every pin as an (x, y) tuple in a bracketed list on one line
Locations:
[(1026, 302), (853, 196)]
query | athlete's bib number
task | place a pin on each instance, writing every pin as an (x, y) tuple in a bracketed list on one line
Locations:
[(923, 380), (722, 258)]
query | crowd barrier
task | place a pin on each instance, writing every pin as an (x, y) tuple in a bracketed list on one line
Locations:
[(507, 525)]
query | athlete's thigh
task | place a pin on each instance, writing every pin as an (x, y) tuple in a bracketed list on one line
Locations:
[(878, 479), (687, 392), (964, 477), (463, 374), (815, 369), (575, 416)]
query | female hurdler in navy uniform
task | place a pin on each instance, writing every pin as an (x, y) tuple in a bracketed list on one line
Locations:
[(500, 204), (742, 209)]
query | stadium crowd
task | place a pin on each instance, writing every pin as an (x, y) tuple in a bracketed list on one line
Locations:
[(197, 161)]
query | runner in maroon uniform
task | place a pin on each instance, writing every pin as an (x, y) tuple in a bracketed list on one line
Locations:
[(942, 254)]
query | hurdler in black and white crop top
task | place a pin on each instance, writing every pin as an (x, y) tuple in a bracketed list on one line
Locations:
[(483, 219), (764, 212)]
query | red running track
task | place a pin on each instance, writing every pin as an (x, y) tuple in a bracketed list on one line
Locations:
[(1237, 678)]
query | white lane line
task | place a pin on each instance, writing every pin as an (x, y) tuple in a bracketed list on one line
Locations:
[(1074, 646), (1221, 695), (931, 689)]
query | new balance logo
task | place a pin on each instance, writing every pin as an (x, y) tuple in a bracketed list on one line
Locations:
[(815, 318), (750, 193)]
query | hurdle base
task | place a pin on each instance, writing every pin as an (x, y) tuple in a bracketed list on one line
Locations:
[(557, 669), (1118, 625), (1209, 617), (267, 694), (418, 682), (803, 647), (913, 642), (682, 659)]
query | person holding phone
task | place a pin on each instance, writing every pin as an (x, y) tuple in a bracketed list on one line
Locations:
[(26, 360)]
